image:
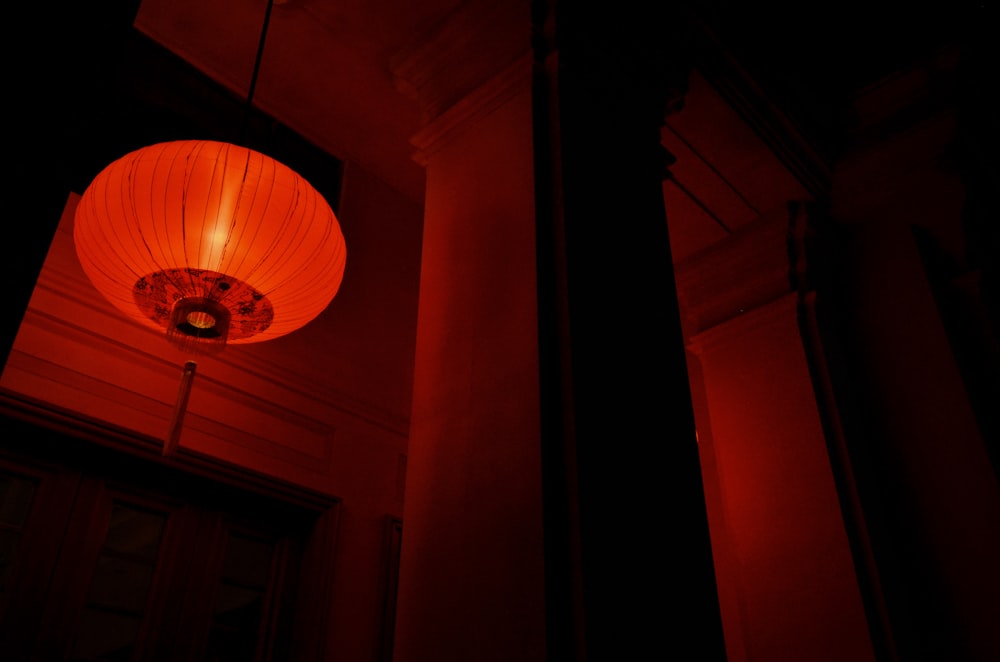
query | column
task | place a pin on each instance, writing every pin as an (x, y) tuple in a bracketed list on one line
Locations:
[(790, 588), (471, 582), (615, 382), (554, 507)]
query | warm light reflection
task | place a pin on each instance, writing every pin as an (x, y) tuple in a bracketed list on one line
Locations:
[(201, 320)]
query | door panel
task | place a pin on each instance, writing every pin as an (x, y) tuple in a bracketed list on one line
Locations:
[(109, 621), (17, 493), (247, 588), (35, 545), (93, 568)]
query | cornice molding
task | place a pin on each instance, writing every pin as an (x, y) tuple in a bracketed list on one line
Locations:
[(279, 432), (470, 46), (477, 104), (745, 272), (725, 334)]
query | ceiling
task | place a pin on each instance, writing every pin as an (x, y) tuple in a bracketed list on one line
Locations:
[(326, 72), (324, 68)]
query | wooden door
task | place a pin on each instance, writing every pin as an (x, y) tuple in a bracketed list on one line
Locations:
[(114, 559)]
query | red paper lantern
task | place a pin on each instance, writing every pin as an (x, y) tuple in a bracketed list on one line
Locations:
[(211, 242)]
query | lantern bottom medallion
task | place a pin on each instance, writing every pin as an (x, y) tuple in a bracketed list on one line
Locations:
[(200, 309)]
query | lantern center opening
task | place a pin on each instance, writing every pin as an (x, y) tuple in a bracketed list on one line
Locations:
[(200, 320), (199, 324)]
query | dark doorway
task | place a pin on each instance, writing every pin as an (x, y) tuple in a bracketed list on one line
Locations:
[(105, 555)]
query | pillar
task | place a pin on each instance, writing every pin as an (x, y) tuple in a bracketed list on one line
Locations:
[(554, 506), (789, 583), (931, 487), (471, 581), (615, 383), (919, 362)]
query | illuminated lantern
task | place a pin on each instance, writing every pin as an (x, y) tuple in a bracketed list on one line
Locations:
[(210, 242)]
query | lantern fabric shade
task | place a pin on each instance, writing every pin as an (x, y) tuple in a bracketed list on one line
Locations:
[(211, 242)]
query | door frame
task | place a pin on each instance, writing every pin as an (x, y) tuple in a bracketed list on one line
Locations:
[(53, 430)]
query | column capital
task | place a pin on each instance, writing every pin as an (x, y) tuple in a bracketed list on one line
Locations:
[(747, 271), (464, 65)]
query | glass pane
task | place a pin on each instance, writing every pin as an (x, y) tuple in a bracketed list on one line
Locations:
[(239, 599), (8, 543), (134, 532), (236, 606), (120, 585), (227, 645), (16, 494), (106, 636), (236, 624), (247, 561)]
